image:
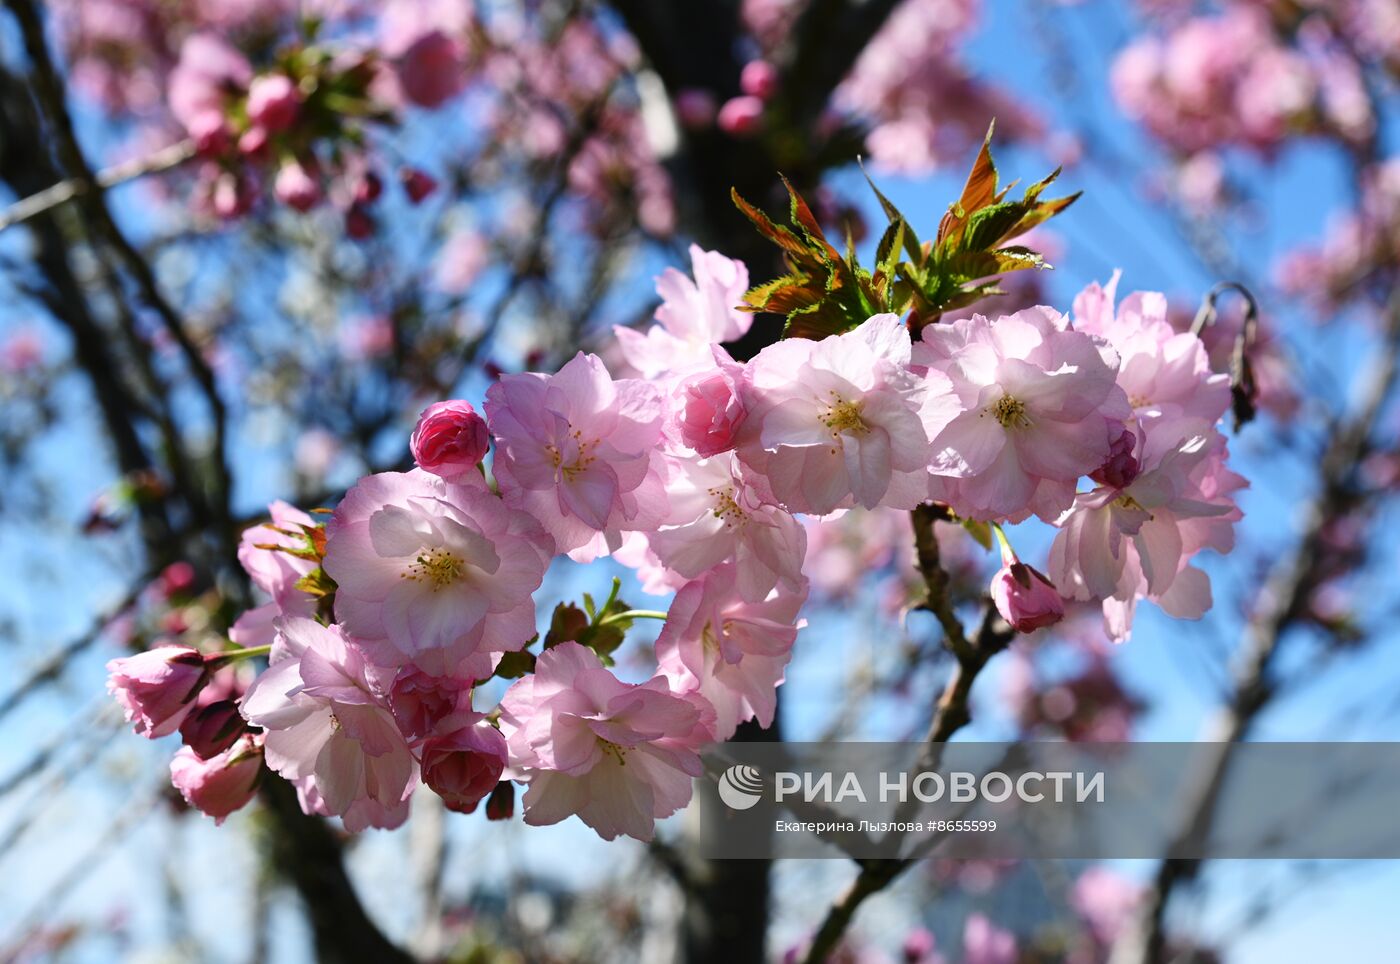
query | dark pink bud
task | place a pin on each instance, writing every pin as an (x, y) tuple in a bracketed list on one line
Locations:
[(368, 187), (501, 804), (450, 439), (1025, 598), (695, 108), (253, 142), (420, 702), (211, 729), (432, 69), (465, 765), (297, 187), (759, 79), (741, 116), (273, 102), (358, 224), (176, 579), (416, 184), (1121, 467), (210, 132)]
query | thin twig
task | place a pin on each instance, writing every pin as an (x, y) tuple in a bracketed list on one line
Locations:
[(70, 188)]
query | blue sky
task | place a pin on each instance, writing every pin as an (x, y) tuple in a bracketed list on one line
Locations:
[(1113, 227)]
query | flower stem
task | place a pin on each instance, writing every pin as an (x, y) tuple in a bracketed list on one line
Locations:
[(632, 614), (217, 660)]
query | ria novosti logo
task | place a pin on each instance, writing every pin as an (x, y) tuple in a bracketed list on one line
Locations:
[(740, 787)]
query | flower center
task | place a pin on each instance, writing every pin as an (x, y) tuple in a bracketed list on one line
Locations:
[(618, 753), (843, 416), (726, 508), (1010, 412), (575, 456), (440, 567)]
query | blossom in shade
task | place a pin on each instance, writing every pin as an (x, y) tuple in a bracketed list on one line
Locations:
[(421, 702), (450, 439), (718, 514), (575, 451), (434, 573), (275, 572), (696, 312), (732, 652), (157, 688), (220, 784), (1122, 545), (842, 420), (618, 755), (1038, 408), (325, 711), (464, 764), (1024, 596)]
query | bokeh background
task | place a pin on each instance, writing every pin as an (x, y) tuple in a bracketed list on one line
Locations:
[(577, 149)]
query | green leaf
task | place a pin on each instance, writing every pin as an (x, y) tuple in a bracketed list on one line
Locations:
[(515, 665), (567, 624), (316, 583), (980, 531)]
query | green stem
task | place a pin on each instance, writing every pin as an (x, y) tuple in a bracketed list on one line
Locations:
[(632, 614), (231, 655)]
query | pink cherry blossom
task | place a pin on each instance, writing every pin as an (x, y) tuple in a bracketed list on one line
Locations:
[(575, 450), (212, 727), (759, 79), (695, 313), (464, 765), (450, 439), (740, 116), (1039, 409), (209, 75), (1106, 901), (730, 651), (1163, 372), (297, 187), (618, 755), (434, 573), (986, 943), (325, 710), (842, 420), (1120, 545), (708, 407), (273, 102), (157, 688), (717, 515), (221, 784)]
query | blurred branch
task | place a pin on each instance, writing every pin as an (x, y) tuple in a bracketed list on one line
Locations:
[(48, 89), (1281, 603), (67, 190), (53, 665)]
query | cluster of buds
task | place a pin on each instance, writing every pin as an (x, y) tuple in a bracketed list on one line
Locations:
[(300, 126)]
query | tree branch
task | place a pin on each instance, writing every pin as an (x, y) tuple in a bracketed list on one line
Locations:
[(950, 715), (1282, 601)]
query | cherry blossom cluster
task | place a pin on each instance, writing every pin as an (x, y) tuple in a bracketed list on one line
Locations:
[(1237, 78), (697, 471)]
